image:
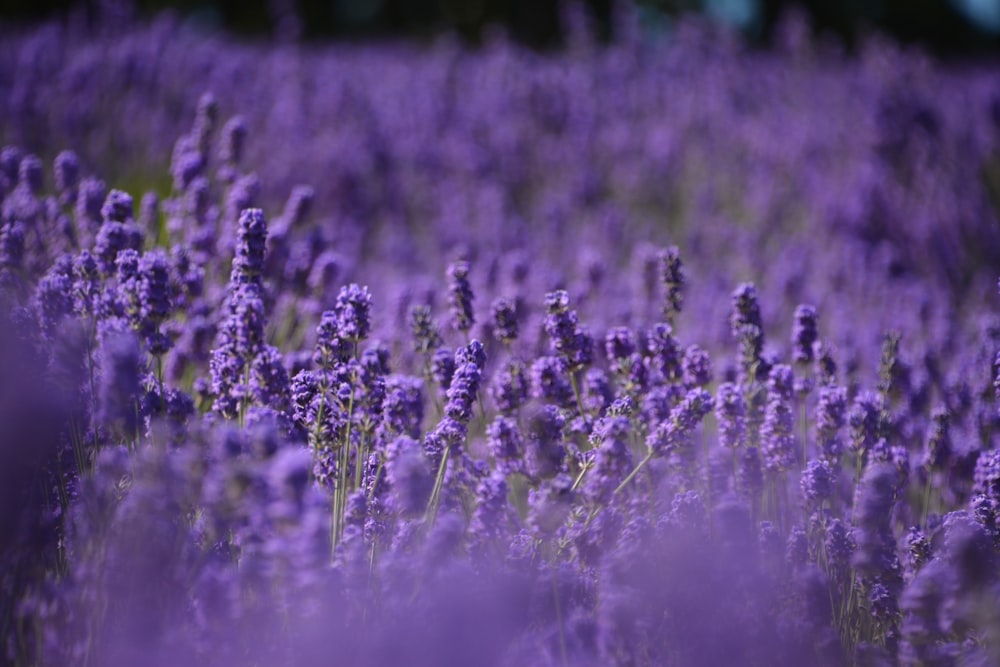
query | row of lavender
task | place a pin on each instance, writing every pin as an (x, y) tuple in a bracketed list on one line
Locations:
[(222, 451), (795, 170)]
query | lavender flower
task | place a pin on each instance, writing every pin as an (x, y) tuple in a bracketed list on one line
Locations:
[(730, 412), (866, 422), (426, 337), (460, 296), (233, 140), (67, 175), (89, 202), (817, 483), (664, 352), (550, 380), (354, 312), (804, 334), (939, 449), (269, 379), (154, 300), (839, 546), (509, 388), (831, 415), (506, 444), (697, 367), (675, 434), (543, 442), (747, 327), (443, 368), (248, 264), (778, 441), (612, 460), (619, 345), (504, 314), (464, 387), (118, 207), (403, 407), (670, 269), (566, 338)]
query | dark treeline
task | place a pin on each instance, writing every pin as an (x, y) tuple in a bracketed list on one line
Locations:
[(938, 25)]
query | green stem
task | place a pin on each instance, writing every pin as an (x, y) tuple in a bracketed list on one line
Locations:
[(576, 393), (635, 471), (579, 478), (432, 506)]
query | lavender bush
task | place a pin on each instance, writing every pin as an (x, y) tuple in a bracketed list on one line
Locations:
[(657, 353)]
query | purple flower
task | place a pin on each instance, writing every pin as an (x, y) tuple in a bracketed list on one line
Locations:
[(550, 380), (866, 422), (918, 551), (831, 415), (332, 346), (251, 235), (696, 367), (566, 338), (154, 300), (664, 352), (730, 412), (233, 140), (543, 442), (53, 299), (876, 547), (67, 175), (817, 483), (839, 545), (938, 454), (403, 407), (118, 207), (670, 269), (619, 344), (297, 207), (778, 441), (504, 312), (89, 201), (674, 435), (426, 337), (460, 296), (269, 379), (747, 328), (353, 309), (12, 246), (597, 391), (29, 174), (506, 444), (443, 368), (986, 478), (464, 387), (550, 504), (804, 334), (797, 548), (612, 459), (509, 388)]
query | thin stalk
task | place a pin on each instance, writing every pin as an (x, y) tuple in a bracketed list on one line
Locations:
[(635, 471), (579, 478), (432, 506), (576, 393)]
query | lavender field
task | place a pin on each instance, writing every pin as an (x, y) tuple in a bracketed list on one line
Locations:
[(667, 351)]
